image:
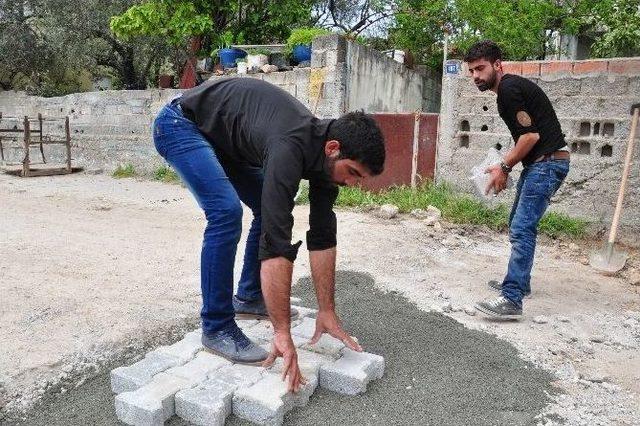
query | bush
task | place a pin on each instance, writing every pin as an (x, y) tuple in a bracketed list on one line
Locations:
[(304, 37)]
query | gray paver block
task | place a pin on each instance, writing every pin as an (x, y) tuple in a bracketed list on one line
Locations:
[(151, 404), (207, 404), (260, 332), (246, 323), (304, 312), (327, 345), (350, 374), (183, 350), (210, 403), (198, 369), (128, 379), (305, 329), (267, 401)]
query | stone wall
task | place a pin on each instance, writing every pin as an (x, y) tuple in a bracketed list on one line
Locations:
[(114, 127), (592, 100)]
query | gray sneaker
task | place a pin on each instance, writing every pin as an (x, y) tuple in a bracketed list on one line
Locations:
[(254, 310), (232, 344), (499, 307), (497, 286)]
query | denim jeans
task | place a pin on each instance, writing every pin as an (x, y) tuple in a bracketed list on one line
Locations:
[(218, 187), (538, 182)]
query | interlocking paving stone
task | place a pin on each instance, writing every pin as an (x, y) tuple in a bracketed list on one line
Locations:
[(128, 379), (205, 389), (351, 373)]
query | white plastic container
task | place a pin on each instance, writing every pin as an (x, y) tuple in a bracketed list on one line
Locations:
[(255, 62)]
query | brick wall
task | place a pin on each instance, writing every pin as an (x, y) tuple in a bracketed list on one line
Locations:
[(592, 99)]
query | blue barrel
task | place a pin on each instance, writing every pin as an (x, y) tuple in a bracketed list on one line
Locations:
[(228, 56), (301, 53)]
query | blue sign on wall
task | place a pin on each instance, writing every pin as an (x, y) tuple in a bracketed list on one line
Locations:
[(452, 67)]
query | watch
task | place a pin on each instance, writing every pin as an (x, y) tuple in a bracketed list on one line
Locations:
[(506, 169)]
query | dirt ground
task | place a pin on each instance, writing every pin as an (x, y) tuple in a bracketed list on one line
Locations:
[(92, 267)]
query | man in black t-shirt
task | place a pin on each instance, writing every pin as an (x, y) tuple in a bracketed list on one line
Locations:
[(540, 146), (242, 139)]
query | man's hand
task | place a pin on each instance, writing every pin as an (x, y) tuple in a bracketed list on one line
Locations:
[(328, 322), (283, 346), (497, 180)]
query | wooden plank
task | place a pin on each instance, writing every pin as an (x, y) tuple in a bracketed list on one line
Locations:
[(47, 172)]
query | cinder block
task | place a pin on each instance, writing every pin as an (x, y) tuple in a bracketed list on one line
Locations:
[(151, 404), (183, 350), (199, 369), (350, 374), (128, 379)]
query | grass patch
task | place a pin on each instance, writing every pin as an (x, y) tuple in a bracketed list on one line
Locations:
[(166, 174), (455, 206), (124, 171)]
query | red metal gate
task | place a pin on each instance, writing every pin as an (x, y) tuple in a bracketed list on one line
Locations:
[(410, 141)]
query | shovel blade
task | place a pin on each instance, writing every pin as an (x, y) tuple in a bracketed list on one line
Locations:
[(608, 260)]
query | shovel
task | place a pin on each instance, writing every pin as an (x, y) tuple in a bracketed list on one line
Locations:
[(609, 260)]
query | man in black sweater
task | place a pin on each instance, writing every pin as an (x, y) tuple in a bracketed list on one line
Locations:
[(540, 146), (242, 139)]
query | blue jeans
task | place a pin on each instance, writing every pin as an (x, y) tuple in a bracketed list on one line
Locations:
[(218, 186), (538, 182)]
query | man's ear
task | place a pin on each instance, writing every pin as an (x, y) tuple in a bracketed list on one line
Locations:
[(332, 148), (497, 65)]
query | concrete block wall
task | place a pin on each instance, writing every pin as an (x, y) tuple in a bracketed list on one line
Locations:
[(592, 99), (109, 128)]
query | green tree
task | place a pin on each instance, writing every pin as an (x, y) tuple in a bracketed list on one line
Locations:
[(614, 25), (248, 21), (419, 28), (47, 44)]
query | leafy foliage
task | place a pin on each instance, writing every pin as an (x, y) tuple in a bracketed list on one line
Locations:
[(218, 24), (304, 37)]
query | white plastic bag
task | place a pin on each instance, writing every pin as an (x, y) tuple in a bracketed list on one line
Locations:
[(481, 179)]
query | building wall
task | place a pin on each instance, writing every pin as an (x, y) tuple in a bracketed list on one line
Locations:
[(592, 100)]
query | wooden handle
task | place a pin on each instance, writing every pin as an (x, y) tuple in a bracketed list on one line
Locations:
[(625, 175)]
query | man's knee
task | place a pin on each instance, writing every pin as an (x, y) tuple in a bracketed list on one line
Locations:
[(224, 212)]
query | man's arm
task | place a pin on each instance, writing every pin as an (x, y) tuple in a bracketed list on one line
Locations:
[(498, 179), (323, 271), (275, 274), (281, 178)]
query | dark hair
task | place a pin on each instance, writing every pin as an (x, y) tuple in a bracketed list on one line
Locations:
[(485, 49), (360, 140)]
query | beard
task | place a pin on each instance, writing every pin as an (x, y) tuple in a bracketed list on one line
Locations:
[(484, 85), (329, 169)]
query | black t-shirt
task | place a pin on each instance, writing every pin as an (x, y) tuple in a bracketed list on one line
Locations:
[(249, 121), (525, 108)]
